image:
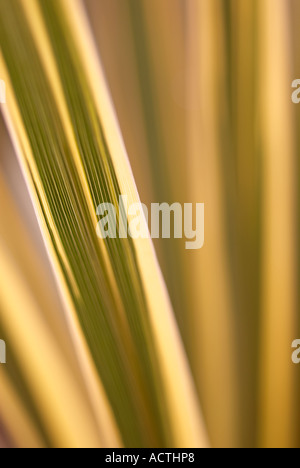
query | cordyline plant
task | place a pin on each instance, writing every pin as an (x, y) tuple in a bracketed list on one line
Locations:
[(133, 386), (93, 348)]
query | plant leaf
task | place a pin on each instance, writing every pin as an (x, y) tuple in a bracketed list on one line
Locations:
[(68, 141)]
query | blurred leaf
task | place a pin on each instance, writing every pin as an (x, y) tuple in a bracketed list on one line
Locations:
[(60, 116)]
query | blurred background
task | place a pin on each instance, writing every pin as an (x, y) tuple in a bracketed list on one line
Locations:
[(202, 91)]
